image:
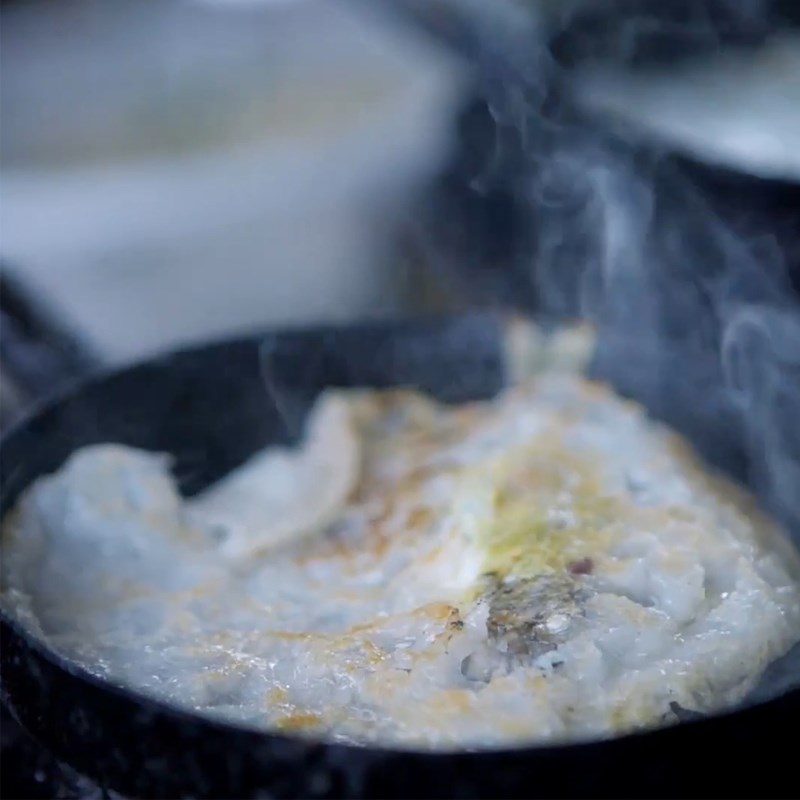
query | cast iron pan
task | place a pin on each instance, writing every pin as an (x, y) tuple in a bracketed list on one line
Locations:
[(213, 406)]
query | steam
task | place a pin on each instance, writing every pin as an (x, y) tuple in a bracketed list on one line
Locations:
[(694, 320), (761, 362), (698, 324)]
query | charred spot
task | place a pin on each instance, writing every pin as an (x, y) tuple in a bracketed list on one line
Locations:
[(531, 616), (581, 566)]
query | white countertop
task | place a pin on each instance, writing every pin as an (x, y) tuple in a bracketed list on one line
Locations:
[(175, 174)]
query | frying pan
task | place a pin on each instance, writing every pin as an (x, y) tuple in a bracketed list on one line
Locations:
[(213, 406)]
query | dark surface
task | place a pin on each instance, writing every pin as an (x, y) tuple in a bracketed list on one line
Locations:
[(28, 770), (211, 408), (38, 355)]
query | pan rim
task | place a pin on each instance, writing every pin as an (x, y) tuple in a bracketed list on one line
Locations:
[(10, 623), (180, 714)]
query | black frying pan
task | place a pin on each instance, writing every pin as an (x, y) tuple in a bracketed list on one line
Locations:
[(210, 408)]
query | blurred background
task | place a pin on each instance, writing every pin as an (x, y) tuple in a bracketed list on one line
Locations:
[(176, 171), (181, 170)]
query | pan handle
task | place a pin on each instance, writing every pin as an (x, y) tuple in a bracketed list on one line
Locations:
[(38, 354)]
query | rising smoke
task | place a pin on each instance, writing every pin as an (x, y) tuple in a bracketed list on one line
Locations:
[(695, 320)]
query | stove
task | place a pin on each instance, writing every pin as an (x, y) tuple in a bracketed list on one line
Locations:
[(29, 771)]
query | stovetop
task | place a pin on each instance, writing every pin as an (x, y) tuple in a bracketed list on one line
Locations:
[(30, 771)]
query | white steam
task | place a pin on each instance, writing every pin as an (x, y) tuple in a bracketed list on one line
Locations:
[(696, 321)]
